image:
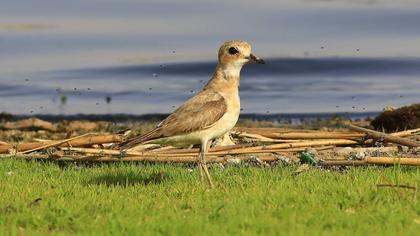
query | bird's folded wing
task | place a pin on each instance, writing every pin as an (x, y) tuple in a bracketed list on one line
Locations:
[(198, 113)]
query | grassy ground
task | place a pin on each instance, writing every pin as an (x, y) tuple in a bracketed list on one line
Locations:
[(37, 198)]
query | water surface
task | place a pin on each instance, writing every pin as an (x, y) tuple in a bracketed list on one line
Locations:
[(148, 57)]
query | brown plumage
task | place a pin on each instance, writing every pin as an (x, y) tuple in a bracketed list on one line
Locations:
[(198, 113), (209, 114)]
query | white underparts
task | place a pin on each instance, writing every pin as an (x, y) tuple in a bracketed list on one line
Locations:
[(232, 71)]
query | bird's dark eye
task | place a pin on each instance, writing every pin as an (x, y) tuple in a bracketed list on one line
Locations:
[(233, 51)]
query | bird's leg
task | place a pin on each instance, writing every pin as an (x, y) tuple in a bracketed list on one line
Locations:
[(200, 166), (203, 161)]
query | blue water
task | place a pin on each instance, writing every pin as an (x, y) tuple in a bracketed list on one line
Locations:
[(148, 57)]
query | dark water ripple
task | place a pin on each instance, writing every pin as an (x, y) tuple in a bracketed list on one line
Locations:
[(282, 85), (274, 66)]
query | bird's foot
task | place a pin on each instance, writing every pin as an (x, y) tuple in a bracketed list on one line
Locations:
[(203, 170)]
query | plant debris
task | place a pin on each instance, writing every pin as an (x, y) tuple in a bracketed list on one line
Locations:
[(94, 142)]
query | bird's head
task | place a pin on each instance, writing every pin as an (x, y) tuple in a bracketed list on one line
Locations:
[(237, 53)]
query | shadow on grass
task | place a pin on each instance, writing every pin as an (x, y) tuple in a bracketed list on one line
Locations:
[(129, 179)]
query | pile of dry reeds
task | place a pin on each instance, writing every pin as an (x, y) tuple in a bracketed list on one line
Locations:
[(352, 146)]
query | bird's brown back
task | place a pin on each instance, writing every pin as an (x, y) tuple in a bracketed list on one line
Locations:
[(198, 113)]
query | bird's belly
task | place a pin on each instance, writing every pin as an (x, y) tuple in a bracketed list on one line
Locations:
[(223, 125), (226, 123)]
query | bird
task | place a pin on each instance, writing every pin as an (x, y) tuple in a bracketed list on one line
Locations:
[(209, 114)]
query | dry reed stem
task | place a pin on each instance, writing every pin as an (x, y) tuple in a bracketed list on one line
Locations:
[(271, 130), (262, 138), (276, 133), (54, 144), (99, 139), (29, 123), (343, 163), (406, 132), (42, 140), (386, 137), (296, 145), (298, 134), (412, 161), (327, 135)]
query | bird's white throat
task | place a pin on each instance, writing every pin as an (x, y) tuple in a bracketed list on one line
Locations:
[(232, 70)]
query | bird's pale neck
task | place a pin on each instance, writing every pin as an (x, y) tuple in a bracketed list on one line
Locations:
[(230, 70), (226, 75)]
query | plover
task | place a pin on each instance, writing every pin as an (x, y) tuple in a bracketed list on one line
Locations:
[(210, 113)]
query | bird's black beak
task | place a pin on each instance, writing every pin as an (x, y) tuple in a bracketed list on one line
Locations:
[(253, 58)]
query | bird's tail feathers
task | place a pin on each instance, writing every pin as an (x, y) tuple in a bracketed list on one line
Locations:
[(138, 140)]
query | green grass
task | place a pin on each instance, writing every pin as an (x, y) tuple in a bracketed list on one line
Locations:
[(164, 199)]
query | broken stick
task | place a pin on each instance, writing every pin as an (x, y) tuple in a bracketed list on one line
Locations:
[(386, 137)]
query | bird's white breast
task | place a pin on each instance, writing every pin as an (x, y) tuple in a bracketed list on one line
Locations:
[(228, 120)]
